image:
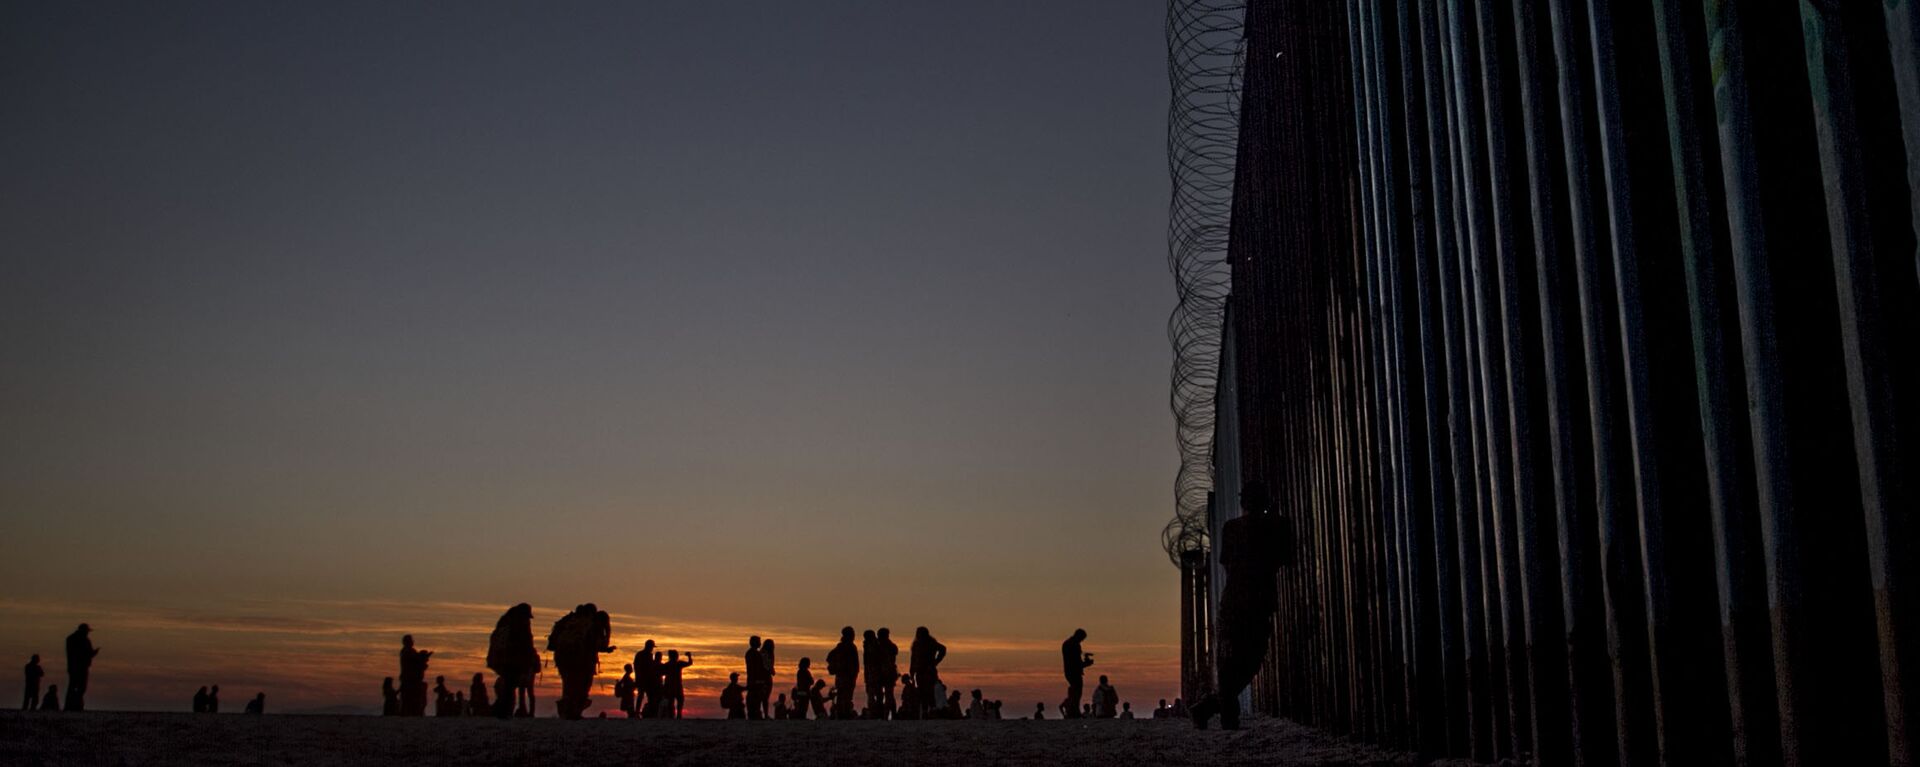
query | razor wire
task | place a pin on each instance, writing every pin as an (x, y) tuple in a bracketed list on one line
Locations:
[(1204, 46)]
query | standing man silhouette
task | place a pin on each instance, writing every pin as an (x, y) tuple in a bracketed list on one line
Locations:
[(80, 652), (843, 662), (413, 678), (646, 681), (923, 659), (759, 679), (1074, 662), (887, 667), (869, 654), (34, 674), (767, 662), (675, 684), (1253, 547)]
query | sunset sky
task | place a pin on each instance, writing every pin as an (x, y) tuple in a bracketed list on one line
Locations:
[(324, 323)]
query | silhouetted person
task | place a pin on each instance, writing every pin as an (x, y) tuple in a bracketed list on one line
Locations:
[(869, 654), (1253, 547), (1074, 662), (1126, 711), (459, 707), (843, 662), (780, 707), (33, 676), (577, 640), (817, 698), (623, 691), (52, 701), (759, 679), (924, 658), (733, 698), (213, 699), (477, 697), (674, 681), (413, 678), (659, 683), (389, 698), (442, 697), (80, 653), (911, 696), (200, 700), (511, 655), (1180, 708), (1105, 699), (887, 669), (1162, 711), (977, 708), (952, 709), (646, 681), (802, 687), (770, 662), (1039, 712), (258, 705)]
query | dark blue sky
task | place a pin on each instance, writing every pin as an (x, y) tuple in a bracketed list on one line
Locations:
[(738, 300)]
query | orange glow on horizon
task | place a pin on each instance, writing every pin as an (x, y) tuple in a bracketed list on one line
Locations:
[(331, 656)]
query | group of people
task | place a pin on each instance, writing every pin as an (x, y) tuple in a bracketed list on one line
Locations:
[(207, 701), (1253, 547), (654, 684), (80, 655)]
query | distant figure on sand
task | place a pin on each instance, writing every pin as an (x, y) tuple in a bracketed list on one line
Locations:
[(511, 655), (910, 695), (1039, 712), (886, 670), (477, 697), (1105, 699), (646, 682), (577, 641), (1253, 548), (1074, 662), (389, 698), (413, 678), (759, 679), (52, 701), (80, 654), (258, 705), (802, 687), (843, 662), (769, 663), (200, 700), (817, 698), (1126, 710), (733, 698), (33, 676), (674, 682), (924, 661), (780, 707), (442, 697), (213, 699), (623, 691), (870, 652)]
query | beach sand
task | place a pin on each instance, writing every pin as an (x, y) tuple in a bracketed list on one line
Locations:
[(143, 738)]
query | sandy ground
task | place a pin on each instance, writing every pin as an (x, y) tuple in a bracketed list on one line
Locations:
[(130, 738)]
